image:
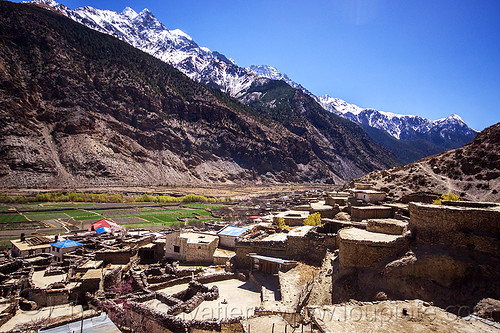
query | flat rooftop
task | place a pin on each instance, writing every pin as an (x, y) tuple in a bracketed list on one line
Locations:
[(42, 282), (355, 234), (320, 205), (294, 213), (93, 274), (194, 237), (372, 207), (388, 221), (300, 231), (388, 317)]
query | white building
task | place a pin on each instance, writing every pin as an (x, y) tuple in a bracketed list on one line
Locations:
[(191, 247), (60, 248)]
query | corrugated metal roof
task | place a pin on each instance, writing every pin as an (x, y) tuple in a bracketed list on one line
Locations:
[(99, 324), (66, 243), (232, 231), (271, 259)]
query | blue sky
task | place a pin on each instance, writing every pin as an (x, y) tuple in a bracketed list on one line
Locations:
[(431, 58)]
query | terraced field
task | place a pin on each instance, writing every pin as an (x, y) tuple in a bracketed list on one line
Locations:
[(44, 221)]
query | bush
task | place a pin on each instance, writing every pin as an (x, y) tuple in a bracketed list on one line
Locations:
[(313, 219), (281, 224), (447, 197)]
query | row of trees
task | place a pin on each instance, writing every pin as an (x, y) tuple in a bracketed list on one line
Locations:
[(107, 198)]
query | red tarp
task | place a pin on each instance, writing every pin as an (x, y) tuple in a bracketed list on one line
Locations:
[(103, 223)]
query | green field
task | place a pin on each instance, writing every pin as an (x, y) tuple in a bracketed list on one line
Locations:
[(12, 218), (4, 208), (80, 215), (48, 215), (161, 216), (202, 206)]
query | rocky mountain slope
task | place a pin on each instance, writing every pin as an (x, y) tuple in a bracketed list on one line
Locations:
[(80, 108), (473, 171), (412, 137)]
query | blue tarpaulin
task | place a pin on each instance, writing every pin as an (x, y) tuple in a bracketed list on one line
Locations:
[(102, 230), (232, 231), (63, 244)]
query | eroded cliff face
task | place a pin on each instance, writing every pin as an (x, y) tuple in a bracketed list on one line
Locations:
[(78, 107)]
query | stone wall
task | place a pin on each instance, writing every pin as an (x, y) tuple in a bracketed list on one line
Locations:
[(44, 297), (276, 249), (201, 253), (161, 322), (475, 227), (359, 213), (361, 252), (310, 247), (114, 256)]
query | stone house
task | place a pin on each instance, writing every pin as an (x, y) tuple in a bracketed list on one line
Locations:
[(30, 247), (191, 247)]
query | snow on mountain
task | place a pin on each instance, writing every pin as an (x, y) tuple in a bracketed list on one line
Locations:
[(272, 73), (145, 32), (337, 105), (403, 127)]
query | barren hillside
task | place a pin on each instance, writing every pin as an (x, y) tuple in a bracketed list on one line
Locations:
[(472, 171)]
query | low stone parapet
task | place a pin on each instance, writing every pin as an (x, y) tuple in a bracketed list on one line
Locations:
[(388, 226)]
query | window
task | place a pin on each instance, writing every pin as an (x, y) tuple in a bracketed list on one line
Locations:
[(177, 249), (57, 249)]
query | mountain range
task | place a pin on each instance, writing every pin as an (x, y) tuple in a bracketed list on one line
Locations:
[(408, 137), (82, 108)]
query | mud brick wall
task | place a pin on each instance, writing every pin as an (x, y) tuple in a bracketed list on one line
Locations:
[(112, 279), (170, 283), (371, 212), (114, 257), (44, 297), (363, 253), (310, 248), (220, 277), (473, 228), (160, 322), (270, 249)]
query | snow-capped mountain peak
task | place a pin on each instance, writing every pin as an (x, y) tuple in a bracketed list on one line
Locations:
[(453, 118), (130, 13), (338, 106), (270, 72)]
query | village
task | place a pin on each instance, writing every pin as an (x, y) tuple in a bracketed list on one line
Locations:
[(321, 261)]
